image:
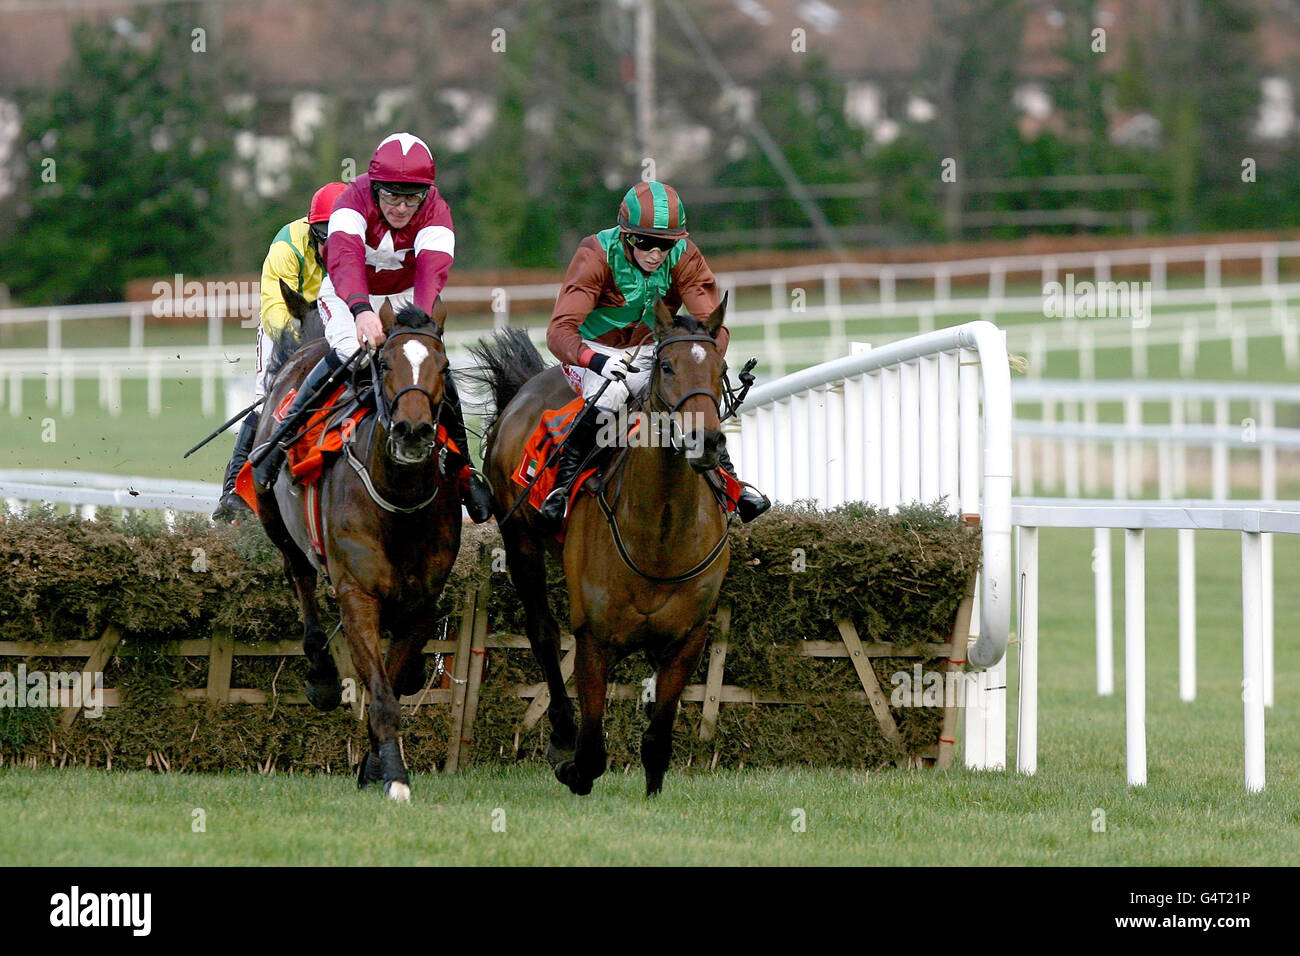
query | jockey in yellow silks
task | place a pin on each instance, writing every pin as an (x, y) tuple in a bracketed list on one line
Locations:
[(297, 257)]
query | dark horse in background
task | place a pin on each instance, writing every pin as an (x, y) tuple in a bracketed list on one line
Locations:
[(391, 524), (658, 590)]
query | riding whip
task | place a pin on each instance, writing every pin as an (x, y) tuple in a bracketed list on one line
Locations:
[(238, 416)]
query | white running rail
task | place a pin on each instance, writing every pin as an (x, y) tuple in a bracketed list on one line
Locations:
[(1254, 520)]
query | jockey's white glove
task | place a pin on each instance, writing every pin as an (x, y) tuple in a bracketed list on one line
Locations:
[(616, 369)]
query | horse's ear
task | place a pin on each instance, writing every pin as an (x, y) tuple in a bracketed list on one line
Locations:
[(439, 314), (387, 316), (298, 306), (714, 322), (664, 319)]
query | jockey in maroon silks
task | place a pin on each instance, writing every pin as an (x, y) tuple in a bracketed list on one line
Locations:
[(390, 236)]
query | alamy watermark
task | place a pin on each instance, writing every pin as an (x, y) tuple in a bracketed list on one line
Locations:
[(53, 689), (128, 910), (176, 298), (1098, 300), (654, 429), (923, 688)]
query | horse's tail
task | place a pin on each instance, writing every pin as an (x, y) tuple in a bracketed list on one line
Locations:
[(295, 335), (503, 364)]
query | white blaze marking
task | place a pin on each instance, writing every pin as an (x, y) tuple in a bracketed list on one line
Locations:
[(415, 354), (697, 353)]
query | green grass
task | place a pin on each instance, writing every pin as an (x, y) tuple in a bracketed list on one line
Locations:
[(1195, 810)]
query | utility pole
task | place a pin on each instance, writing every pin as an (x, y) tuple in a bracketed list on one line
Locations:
[(645, 74)]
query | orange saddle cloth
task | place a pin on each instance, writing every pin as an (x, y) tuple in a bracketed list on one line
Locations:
[(318, 445), (550, 431)]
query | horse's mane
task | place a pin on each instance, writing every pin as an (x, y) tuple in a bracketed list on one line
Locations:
[(293, 337), (688, 322), (413, 317), (503, 364)]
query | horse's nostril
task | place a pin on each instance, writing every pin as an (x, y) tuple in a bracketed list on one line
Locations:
[(401, 429), (424, 432)]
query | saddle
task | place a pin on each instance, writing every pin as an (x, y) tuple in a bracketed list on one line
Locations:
[(320, 442), (539, 464)]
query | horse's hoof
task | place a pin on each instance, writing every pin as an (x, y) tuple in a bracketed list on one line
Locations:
[(397, 791), (567, 773), (557, 755), (325, 696)]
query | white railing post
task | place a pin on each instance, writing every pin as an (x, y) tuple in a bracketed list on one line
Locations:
[(1070, 449), (1268, 266), (928, 385), (855, 445), (801, 448), (1133, 420), (949, 434), (837, 443), (1103, 612), (890, 438), (1027, 714), (1219, 454), (1157, 270), (874, 440), (909, 425), (1266, 612), (1186, 614), (1135, 655), (1252, 681), (782, 430)]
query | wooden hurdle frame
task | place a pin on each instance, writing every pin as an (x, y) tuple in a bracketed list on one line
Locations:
[(473, 641)]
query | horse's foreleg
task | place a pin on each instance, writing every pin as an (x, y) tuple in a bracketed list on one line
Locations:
[(589, 761), (657, 741), (406, 670), (324, 691), (528, 573), (384, 760)]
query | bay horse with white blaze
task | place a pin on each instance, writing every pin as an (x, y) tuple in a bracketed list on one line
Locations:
[(390, 529), (644, 570)]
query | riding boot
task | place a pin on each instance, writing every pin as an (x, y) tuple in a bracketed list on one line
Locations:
[(578, 444), (231, 505), (752, 502), (268, 469), (476, 494)]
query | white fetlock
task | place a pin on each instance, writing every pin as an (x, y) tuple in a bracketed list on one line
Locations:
[(397, 791)]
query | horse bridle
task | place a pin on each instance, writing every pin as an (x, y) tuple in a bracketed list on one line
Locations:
[(384, 406), (658, 393), (612, 519)]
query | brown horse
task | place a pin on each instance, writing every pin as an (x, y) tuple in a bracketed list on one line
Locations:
[(391, 524), (646, 575)]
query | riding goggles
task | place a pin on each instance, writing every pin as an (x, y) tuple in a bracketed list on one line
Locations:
[(409, 200), (647, 243)]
